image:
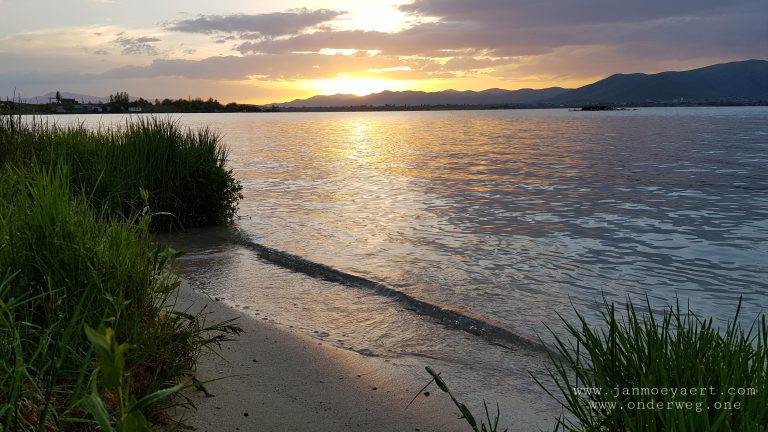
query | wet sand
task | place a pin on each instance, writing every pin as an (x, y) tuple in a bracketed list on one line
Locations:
[(277, 380)]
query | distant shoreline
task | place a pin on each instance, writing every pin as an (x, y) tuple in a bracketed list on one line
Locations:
[(28, 110), (502, 107)]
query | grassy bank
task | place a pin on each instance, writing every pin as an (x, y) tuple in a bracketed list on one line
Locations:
[(182, 170), (76, 254)]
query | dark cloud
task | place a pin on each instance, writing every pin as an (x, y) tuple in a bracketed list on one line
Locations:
[(690, 26), (550, 13), (126, 41), (254, 26), (224, 39), (722, 33), (137, 46), (487, 33)]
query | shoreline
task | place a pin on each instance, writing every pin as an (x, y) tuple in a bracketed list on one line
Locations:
[(274, 379)]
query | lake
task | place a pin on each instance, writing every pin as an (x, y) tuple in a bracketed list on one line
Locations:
[(508, 216)]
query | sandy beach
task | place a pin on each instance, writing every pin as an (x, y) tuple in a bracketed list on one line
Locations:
[(277, 380)]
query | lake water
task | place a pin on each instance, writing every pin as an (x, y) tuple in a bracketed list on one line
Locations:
[(508, 216)]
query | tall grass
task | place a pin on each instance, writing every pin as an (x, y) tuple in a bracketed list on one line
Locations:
[(673, 372), (76, 254), (183, 170), (63, 266)]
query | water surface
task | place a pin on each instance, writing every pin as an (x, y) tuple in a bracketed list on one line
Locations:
[(513, 216)]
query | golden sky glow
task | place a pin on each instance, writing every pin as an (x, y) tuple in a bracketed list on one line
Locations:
[(263, 52), (372, 16), (356, 86)]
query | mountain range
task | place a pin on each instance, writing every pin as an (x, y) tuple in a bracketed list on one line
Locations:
[(743, 81), (494, 96), (735, 82)]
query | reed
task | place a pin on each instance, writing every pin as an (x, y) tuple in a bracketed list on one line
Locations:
[(65, 266), (484, 425), (613, 377), (183, 170)]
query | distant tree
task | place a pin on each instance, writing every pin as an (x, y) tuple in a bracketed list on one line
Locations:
[(58, 97), (121, 98), (118, 101)]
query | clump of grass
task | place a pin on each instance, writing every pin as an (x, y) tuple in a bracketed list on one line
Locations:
[(64, 266), (183, 170), (674, 372)]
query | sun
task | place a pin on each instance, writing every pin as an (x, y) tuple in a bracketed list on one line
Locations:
[(353, 85), (378, 15)]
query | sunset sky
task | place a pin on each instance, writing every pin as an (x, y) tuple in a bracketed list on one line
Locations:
[(268, 51)]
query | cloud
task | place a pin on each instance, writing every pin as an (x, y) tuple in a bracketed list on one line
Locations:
[(62, 50), (56, 40), (255, 26), (488, 34), (281, 67), (42, 79), (430, 39), (553, 13), (516, 28), (137, 46), (510, 26)]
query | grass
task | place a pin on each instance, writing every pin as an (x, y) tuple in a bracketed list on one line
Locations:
[(89, 338), (645, 372), (183, 170), (611, 379)]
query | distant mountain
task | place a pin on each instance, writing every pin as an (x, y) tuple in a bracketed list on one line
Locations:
[(727, 82), (51, 96), (736, 81), (493, 96), (67, 95)]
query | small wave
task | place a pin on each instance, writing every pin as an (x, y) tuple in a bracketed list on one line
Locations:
[(366, 352), (450, 316)]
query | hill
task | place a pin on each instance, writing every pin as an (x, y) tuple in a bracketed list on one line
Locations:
[(414, 98), (727, 82), (736, 82)]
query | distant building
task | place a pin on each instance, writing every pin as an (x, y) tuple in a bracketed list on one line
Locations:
[(69, 101), (87, 108), (134, 109)]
